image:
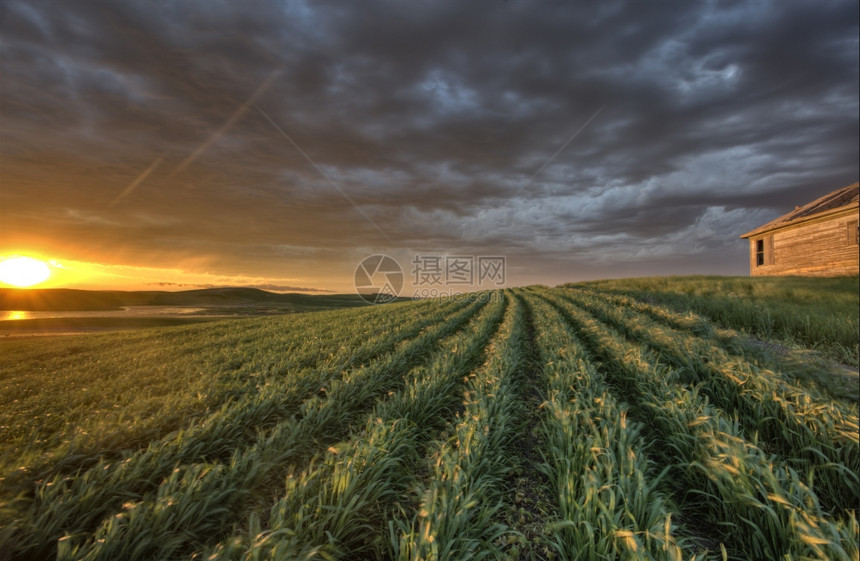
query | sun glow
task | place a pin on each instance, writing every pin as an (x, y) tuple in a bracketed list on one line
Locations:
[(23, 271)]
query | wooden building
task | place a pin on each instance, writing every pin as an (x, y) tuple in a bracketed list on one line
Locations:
[(816, 239)]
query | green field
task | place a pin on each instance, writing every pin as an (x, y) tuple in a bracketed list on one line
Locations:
[(819, 313), (585, 422)]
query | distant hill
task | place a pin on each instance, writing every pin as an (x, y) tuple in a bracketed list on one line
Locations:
[(57, 299), (66, 299)]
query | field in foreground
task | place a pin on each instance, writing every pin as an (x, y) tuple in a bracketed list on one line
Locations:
[(568, 423)]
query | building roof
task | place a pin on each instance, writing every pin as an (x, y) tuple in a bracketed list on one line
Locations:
[(840, 199)]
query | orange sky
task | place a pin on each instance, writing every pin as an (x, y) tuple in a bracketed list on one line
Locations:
[(67, 273)]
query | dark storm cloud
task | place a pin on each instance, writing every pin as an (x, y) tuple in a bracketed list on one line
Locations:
[(131, 127)]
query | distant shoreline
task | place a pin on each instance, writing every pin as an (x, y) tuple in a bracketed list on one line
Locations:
[(68, 300)]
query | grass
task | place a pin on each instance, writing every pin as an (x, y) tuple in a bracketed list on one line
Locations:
[(764, 523), (461, 494), (813, 313), (586, 422), (608, 500), (59, 404), (77, 325)]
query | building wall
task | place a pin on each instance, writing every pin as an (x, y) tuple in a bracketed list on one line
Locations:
[(825, 247)]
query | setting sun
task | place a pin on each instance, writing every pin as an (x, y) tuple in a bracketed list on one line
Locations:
[(23, 271)]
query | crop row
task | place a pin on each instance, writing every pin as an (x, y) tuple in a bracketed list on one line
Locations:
[(808, 433), (392, 432), (814, 376), (69, 507), (816, 312), (608, 500), (460, 497), (72, 402), (761, 507), (336, 507)]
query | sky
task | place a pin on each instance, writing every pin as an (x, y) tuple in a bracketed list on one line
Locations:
[(177, 145)]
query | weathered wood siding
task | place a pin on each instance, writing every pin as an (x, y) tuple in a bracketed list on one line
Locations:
[(824, 247)]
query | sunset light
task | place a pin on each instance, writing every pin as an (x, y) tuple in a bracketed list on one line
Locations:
[(377, 280), (23, 271)]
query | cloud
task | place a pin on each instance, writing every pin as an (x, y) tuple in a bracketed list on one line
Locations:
[(436, 120)]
